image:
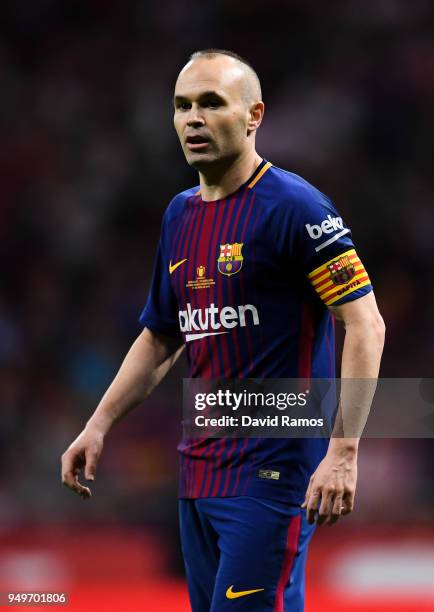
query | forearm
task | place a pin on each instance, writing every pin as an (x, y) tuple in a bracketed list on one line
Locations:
[(363, 347), (146, 363)]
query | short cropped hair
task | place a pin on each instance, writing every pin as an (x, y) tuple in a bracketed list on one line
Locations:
[(212, 53)]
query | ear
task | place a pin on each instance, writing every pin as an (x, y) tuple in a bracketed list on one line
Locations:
[(255, 115)]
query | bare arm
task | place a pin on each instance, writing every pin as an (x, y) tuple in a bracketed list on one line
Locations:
[(149, 359), (147, 362), (332, 487)]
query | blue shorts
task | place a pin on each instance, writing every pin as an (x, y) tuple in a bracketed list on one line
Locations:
[(244, 554)]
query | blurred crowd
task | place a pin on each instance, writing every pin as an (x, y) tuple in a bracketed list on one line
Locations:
[(88, 162)]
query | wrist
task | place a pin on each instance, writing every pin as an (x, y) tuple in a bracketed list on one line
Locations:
[(344, 446), (99, 425)]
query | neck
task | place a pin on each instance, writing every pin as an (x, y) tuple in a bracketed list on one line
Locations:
[(217, 183)]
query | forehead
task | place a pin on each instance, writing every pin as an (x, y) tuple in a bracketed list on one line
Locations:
[(221, 75)]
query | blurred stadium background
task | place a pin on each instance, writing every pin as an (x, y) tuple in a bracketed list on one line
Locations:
[(88, 162)]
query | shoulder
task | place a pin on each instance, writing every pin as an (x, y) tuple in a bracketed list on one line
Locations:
[(297, 210), (178, 203), (295, 193)]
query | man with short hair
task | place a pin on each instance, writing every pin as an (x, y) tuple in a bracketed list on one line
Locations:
[(252, 267)]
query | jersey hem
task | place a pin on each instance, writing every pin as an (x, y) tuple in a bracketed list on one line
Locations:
[(292, 497)]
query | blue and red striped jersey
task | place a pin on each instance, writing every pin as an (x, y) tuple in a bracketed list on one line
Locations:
[(245, 282)]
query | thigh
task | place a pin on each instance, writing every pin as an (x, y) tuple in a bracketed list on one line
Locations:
[(293, 594), (200, 552), (263, 546)]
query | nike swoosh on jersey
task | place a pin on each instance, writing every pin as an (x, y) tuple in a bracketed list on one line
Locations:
[(173, 268), (190, 337), (230, 594)]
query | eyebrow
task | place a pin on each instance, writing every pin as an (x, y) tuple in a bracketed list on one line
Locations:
[(204, 94)]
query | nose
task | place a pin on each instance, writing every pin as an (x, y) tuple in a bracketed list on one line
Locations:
[(195, 118)]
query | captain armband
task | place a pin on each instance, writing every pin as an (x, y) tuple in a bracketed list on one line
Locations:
[(339, 277)]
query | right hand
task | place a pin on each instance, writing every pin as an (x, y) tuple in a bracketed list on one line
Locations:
[(84, 453)]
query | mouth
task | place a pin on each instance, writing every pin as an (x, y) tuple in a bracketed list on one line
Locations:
[(196, 143)]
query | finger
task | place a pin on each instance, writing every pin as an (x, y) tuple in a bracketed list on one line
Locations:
[(90, 467), (70, 480), (336, 509), (71, 460), (83, 491), (71, 466), (349, 491), (348, 502), (325, 508), (306, 497), (312, 505), (337, 505)]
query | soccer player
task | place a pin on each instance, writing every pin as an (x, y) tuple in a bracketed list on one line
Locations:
[(253, 266)]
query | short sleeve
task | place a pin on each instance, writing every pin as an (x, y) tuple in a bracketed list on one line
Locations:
[(160, 313), (327, 252)]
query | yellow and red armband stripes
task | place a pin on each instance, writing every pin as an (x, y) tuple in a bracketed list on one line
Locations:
[(339, 277)]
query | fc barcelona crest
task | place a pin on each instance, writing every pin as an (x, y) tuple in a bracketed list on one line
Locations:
[(230, 260), (341, 270)]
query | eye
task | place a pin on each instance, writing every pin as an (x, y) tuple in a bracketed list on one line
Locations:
[(212, 104), (182, 106)]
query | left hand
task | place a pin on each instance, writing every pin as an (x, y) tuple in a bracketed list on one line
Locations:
[(332, 486)]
